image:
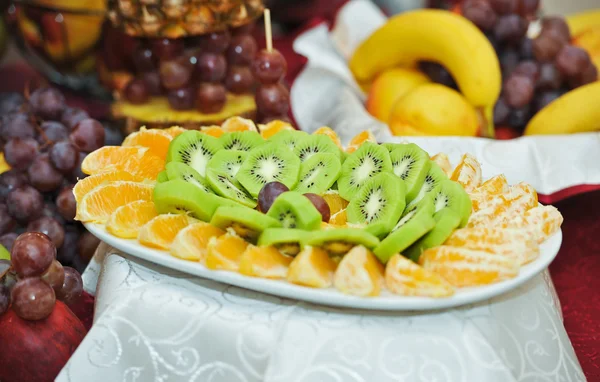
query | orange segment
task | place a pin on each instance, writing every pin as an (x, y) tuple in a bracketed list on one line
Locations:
[(238, 124), (335, 201), (359, 139), (87, 184), (146, 167), (463, 267), (328, 131), (161, 230), (495, 185), (191, 242), (406, 278), (468, 172), (442, 160), (214, 131), (273, 127), (109, 156), (157, 141), (501, 208), (225, 252), (312, 267), (174, 131), (544, 221), (359, 273), (518, 245), (264, 261), (127, 220), (97, 205), (339, 219)]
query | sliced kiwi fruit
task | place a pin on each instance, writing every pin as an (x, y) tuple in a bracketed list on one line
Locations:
[(314, 144), (289, 138), (294, 210), (194, 149), (162, 176), (227, 161), (446, 221), (411, 164), (241, 140), (246, 222), (179, 196), (450, 194), (318, 173), (390, 146), (434, 176), (268, 163), (378, 204), (227, 186), (339, 241), (287, 241), (178, 170), (369, 160), (415, 222)]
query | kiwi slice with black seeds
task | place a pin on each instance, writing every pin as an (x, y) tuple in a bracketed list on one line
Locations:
[(450, 194), (241, 140), (318, 173), (446, 221), (162, 176), (314, 144), (287, 241), (294, 210), (411, 164), (178, 170), (434, 176), (227, 161), (369, 160), (193, 149), (227, 186), (246, 222), (289, 138), (339, 241)]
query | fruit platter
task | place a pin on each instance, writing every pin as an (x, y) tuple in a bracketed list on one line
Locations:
[(281, 211)]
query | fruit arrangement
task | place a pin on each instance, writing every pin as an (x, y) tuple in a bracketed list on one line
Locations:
[(274, 202)]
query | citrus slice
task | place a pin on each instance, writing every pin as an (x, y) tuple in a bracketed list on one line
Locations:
[(496, 185), (335, 201), (264, 261), (464, 267), (238, 124), (502, 208), (544, 221), (126, 221), (161, 230), (97, 205), (359, 273), (214, 131), (340, 218), (406, 278), (328, 131), (467, 173), (87, 184), (191, 242), (442, 160), (312, 267), (174, 131), (157, 141), (225, 252), (359, 139), (108, 157), (273, 127)]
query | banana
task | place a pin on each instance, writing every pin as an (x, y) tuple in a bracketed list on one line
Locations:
[(582, 21), (435, 35), (575, 112)]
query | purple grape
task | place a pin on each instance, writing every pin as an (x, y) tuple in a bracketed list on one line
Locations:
[(7, 223), (72, 287), (88, 135), (10, 102), (137, 92), (321, 206), (242, 50), (510, 28), (528, 7), (519, 117), (68, 251), (526, 49), (72, 116), (215, 42), (43, 176), (549, 77), (587, 76), (32, 299), (268, 193), (53, 132), (479, 13), (572, 60), (545, 98), (518, 90), (153, 84), (31, 254), (64, 156), (47, 103), (556, 27), (269, 67), (51, 210), (501, 112), (77, 173), (167, 49), (528, 68), (509, 59), (8, 239), (143, 59), (17, 125), (174, 74), (10, 180), (182, 99), (66, 204), (25, 203), (54, 276), (546, 47), (211, 67), (49, 227), (438, 73), (503, 7)]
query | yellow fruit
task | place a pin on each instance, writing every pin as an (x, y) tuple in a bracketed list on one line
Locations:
[(264, 261), (443, 161), (433, 109), (3, 165), (238, 124), (273, 127), (214, 131), (582, 21), (312, 267), (161, 230), (191, 242), (335, 202), (157, 141), (225, 252), (359, 139), (340, 218), (174, 131), (110, 156), (127, 220), (87, 184), (328, 131), (406, 278), (359, 273), (468, 173)]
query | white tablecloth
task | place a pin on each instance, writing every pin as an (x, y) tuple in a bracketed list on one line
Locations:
[(155, 324)]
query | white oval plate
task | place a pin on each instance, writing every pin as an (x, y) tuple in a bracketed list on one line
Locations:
[(330, 296)]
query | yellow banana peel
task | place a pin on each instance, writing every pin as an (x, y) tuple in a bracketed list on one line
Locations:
[(582, 21)]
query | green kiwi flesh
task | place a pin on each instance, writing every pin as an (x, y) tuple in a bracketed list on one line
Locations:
[(162, 176), (241, 140), (434, 176), (411, 164), (339, 241), (227, 186), (194, 149), (287, 241), (288, 138), (446, 221), (318, 173), (227, 161), (369, 160), (178, 170), (314, 144), (294, 210), (246, 222), (450, 194)]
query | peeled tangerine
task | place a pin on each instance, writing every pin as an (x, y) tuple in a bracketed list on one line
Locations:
[(520, 198), (404, 277), (468, 173), (484, 194), (264, 261), (335, 202), (542, 222), (191, 242), (464, 267), (156, 140), (328, 131), (126, 221), (238, 124), (442, 160), (359, 139), (312, 267), (225, 252), (359, 273), (161, 231), (273, 127)]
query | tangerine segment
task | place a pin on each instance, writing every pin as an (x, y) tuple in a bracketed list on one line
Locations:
[(442, 160), (214, 131), (225, 252), (126, 221), (501, 208), (518, 245), (238, 124), (496, 185), (467, 173), (161, 230), (406, 278), (87, 184), (328, 131), (264, 261), (335, 202), (191, 242), (174, 131), (359, 139), (273, 127), (464, 267), (339, 218), (110, 156), (359, 273), (97, 205), (312, 267), (157, 141), (544, 221)]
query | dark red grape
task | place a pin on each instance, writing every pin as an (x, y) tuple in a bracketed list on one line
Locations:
[(43, 176), (32, 299), (68, 251), (66, 204), (25, 203), (546, 47), (210, 98), (72, 287), (31, 254), (509, 59), (519, 117), (54, 275), (526, 49), (167, 49), (50, 210), (53, 132), (182, 99), (174, 74), (49, 227), (64, 156), (211, 67), (4, 298), (136, 91), (479, 13), (10, 102), (272, 99), (572, 60), (549, 78), (501, 112), (88, 135), (321, 206), (86, 246), (544, 99), (153, 84), (503, 7), (556, 27), (269, 67), (47, 103), (239, 80), (7, 223), (143, 59), (8, 239), (268, 193), (510, 28), (528, 8), (518, 90), (587, 76), (71, 117), (10, 180), (528, 68), (77, 173), (242, 50), (215, 42), (243, 29), (20, 152), (438, 73), (17, 125)]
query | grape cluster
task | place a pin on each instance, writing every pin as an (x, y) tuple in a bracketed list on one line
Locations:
[(44, 141), (33, 279), (272, 97)]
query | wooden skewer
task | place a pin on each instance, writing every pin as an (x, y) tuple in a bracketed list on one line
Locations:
[(268, 35)]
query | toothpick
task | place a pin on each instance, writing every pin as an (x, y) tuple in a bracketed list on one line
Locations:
[(268, 35)]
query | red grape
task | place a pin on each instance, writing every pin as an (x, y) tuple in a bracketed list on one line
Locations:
[(64, 156), (54, 275), (8, 239), (437, 73), (143, 59), (272, 99), (215, 42), (68, 251), (503, 7), (50, 210), (501, 112), (546, 47), (20, 152), (479, 13), (17, 125), (509, 59), (86, 246), (268, 193), (210, 98), (71, 117), (88, 135), (211, 67), (10, 180), (4, 297), (25, 203), (549, 77), (7, 223), (33, 299), (31, 254), (77, 173), (526, 49), (153, 85), (43, 176), (72, 287), (587, 76), (167, 49), (66, 204), (182, 99), (518, 90), (269, 67), (528, 7), (510, 28), (239, 80), (572, 60), (528, 68), (174, 74), (47, 103), (136, 91), (243, 29), (556, 27), (321, 206), (53, 131), (10, 102), (242, 50), (49, 227)]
